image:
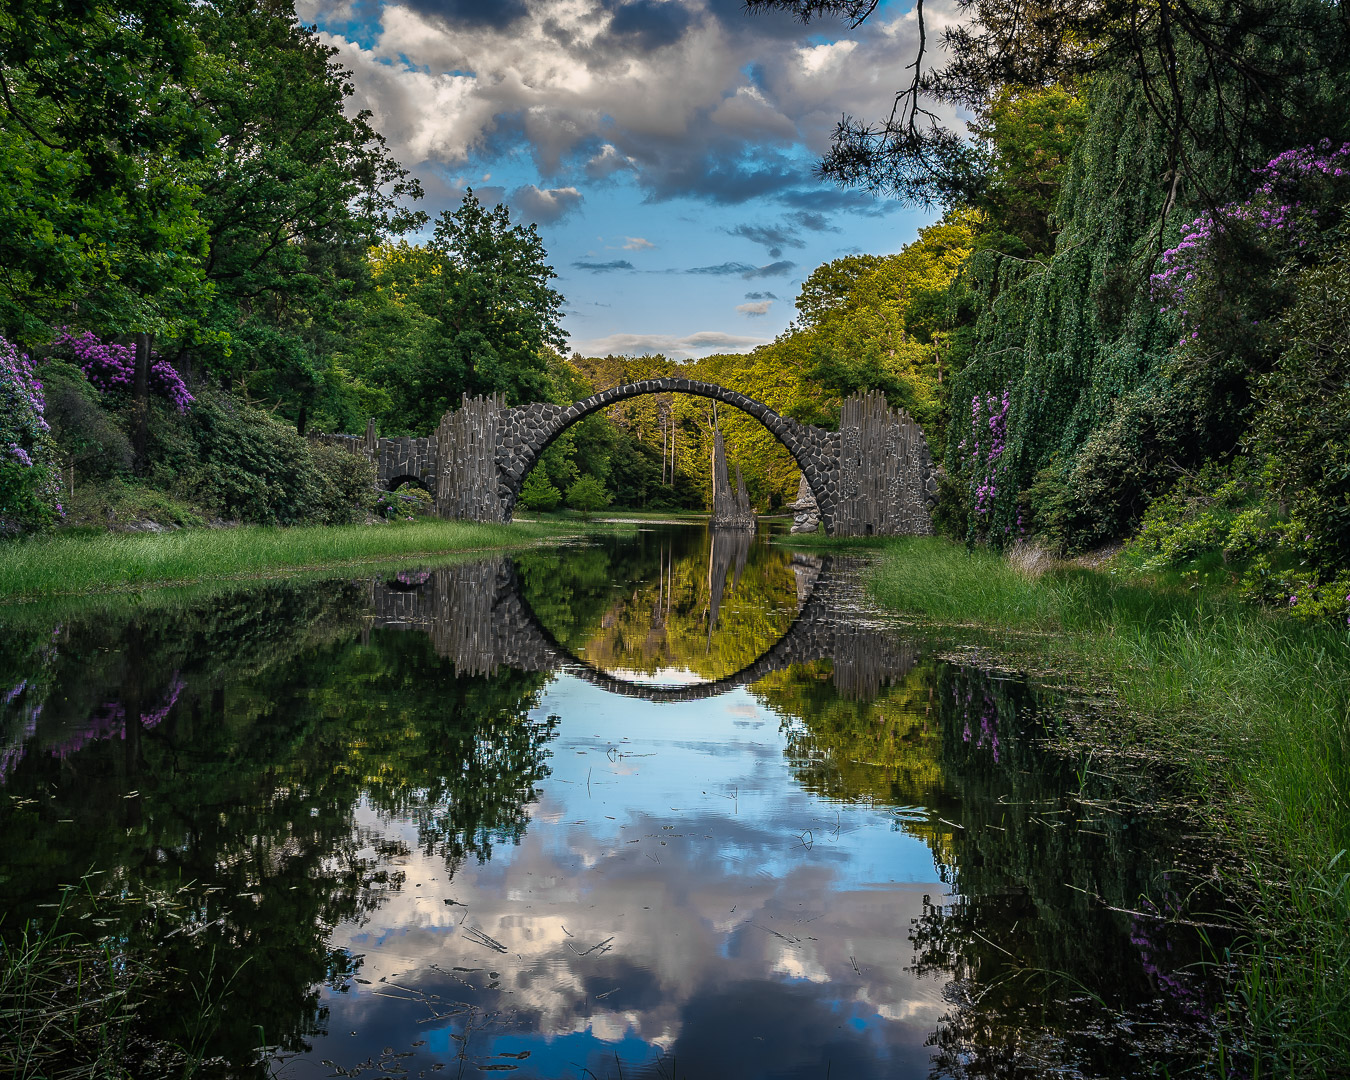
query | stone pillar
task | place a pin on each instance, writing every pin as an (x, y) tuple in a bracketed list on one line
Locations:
[(731, 508), (805, 512), (466, 473), (885, 471)]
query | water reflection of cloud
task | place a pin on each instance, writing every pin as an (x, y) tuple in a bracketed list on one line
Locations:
[(645, 934)]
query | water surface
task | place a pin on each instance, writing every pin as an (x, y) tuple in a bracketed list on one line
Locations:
[(658, 805)]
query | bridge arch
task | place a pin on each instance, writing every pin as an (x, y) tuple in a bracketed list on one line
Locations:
[(477, 615), (529, 430), (396, 482)]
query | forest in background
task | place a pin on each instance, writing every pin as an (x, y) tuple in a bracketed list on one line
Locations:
[(1130, 320)]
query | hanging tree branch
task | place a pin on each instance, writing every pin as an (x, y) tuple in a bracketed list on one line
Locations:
[(1212, 76)]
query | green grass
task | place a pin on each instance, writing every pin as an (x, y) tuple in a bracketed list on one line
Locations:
[(68, 1006), (58, 565), (1253, 704)]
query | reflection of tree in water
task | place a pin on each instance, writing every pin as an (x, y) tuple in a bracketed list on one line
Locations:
[(709, 602), (1042, 845), (1049, 844), (227, 822), (887, 749)]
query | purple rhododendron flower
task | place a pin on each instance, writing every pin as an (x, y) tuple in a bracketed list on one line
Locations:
[(112, 367)]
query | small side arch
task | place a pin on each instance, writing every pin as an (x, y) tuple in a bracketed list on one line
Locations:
[(396, 482)]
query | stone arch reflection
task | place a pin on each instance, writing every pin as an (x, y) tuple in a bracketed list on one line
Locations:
[(479, 618)]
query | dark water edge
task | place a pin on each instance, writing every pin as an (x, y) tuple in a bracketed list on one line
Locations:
[(659, 805)]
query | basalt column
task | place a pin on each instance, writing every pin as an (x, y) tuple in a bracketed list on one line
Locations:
[(731, 507), (466, 479), (887, 485)]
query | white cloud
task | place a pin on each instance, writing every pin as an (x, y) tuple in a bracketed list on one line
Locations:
[(758, 307), (637, 243), (677, 348), (675, 108), (607, 162), (545, 206)]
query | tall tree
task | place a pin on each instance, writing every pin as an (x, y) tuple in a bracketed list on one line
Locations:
[(1220, 79), (298, 192), (487, 314), (99, 153)]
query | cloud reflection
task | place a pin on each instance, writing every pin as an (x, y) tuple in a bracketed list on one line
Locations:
[(729, 936)]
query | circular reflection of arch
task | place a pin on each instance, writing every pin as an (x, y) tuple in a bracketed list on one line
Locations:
[(794, 647), (800, 440)]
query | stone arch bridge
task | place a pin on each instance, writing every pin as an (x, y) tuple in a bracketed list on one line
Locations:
[(873, 476), (477, 617)]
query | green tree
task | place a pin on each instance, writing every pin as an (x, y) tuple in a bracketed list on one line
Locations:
[(537, 493), (485, 319), (1219, 81), (1303, 427), (297, 192), (100, 149), (1028, 136), (588, 495)]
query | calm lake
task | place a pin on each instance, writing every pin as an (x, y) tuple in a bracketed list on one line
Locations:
[(656, 804)]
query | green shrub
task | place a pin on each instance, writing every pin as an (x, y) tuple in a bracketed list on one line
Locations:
[(538, 493), (1249, 533), (344, 485), (1127, 461), (588, 495), (251, 467), (124, 501), (408, 500), (1208, 511), (1303, 423), (1046, 509), (951, 516), (87, 435)]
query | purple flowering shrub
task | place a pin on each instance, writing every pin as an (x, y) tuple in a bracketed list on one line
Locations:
[(112, 368), (982, 462), (29, 479), (1227, 280)]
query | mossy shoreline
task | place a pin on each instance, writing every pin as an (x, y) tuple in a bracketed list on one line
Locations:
[(1252, 705)]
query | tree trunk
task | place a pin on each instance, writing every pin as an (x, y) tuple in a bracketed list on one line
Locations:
[(140, 393)]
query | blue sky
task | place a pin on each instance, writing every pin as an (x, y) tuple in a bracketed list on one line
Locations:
[(663, 147)]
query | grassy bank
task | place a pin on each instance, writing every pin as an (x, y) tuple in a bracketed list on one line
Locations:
[(1256, 706), (59, 565)]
